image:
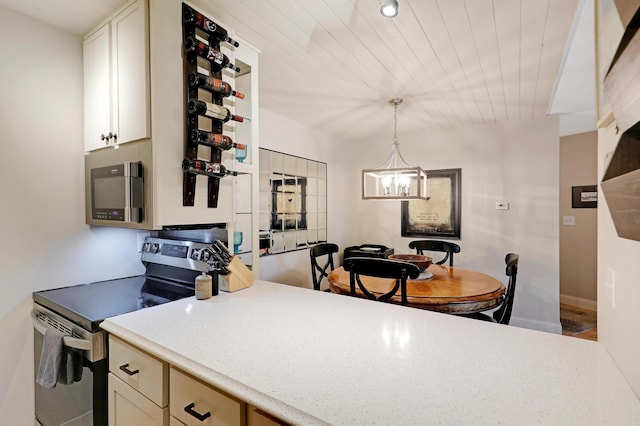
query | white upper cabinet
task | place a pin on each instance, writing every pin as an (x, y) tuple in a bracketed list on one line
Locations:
[(97, 88), (116, 79)]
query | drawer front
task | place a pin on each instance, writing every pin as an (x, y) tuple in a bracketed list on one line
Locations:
[(141, 371), (129, 407), (194, 403), (257, 417)]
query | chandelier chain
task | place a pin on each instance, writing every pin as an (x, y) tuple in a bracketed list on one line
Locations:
[(395, 123)]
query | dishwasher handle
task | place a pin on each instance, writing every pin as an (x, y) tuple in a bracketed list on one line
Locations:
[(72, 342)]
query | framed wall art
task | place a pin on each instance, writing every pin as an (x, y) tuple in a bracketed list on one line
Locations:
[(440, 215)]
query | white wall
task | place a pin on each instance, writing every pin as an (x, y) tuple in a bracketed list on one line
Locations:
[(578, 243), (618, 266), (45, 243), (516, 162), (282, 134)]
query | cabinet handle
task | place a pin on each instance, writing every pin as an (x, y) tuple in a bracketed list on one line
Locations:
[(129, 372), (202, 417), (105, 139), (115, 137)]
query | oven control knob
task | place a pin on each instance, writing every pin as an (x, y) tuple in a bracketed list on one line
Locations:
[(146, 247), (155, 247), (196, 254)]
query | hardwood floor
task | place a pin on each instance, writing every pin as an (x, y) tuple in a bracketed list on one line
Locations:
[(590, 334)]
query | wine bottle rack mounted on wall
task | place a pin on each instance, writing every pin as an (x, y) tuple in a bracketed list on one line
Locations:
[(190, 61)]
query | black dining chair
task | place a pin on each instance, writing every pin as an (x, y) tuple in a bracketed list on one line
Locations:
[(381, 268), (436, 245), (502, 315), (318, 273)]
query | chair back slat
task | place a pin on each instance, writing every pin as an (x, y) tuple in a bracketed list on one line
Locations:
[(381, 268), (318, 272), (503, 314), (446, 247)]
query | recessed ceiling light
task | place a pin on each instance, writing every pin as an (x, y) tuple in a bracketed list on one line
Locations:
[(389, 8)]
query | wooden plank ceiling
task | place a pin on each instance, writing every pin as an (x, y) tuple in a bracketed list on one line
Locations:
[(335, 64)]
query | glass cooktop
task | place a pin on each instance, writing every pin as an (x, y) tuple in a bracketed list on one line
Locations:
[(89, 304)]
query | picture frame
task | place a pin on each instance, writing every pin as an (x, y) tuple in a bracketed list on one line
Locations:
[(584, 197), (440, 216)]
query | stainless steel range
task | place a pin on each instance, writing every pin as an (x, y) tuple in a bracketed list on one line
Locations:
[(77, 311)]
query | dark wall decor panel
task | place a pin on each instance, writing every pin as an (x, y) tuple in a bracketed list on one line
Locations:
[(627, 9), (621, 185), (622, 82)]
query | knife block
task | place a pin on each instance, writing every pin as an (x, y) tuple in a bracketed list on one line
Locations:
[(239, 276)]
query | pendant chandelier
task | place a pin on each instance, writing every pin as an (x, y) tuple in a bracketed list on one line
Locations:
[(395, 179)]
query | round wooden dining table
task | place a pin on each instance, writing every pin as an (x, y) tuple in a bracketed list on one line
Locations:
[(451, 290)]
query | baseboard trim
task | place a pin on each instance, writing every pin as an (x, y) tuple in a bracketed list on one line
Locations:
[(548, 327), (579, 302)]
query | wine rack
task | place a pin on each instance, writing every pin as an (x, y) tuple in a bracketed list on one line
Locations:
[(193, 120)]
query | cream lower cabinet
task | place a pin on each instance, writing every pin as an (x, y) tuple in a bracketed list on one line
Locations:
[(138, 387), (147, 391)]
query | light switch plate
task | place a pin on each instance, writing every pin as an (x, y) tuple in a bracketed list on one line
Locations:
[(569, 220), (610, 287)]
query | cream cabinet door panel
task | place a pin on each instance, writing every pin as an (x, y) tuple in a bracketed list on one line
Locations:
[(97, 88), (130, 73), (175, 422), (128, 407)]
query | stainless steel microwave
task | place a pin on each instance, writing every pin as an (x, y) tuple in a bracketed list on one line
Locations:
[(117, 186)]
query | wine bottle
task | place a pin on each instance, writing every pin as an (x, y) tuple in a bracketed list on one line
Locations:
[(217, 59), (190, 16), (213, 85), (202, 167), (218, 112), (215, 140)]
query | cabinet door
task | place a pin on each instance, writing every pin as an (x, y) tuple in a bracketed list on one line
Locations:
[(130, 73), (128, 407), (97, 88)]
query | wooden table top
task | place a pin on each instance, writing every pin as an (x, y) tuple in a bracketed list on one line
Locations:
[(451, 290)]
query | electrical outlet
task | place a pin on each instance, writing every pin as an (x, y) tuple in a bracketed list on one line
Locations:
[(569, 220), (140, 239), (502, 205)]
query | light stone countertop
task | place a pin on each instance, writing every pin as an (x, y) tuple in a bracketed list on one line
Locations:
[(311, 357)]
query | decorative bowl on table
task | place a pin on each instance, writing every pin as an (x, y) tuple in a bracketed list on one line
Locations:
[(421, 261)]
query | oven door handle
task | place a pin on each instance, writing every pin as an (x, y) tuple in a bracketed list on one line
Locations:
[(72, 342)]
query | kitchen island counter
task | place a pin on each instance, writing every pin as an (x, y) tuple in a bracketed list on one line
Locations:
[(311, 357)]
